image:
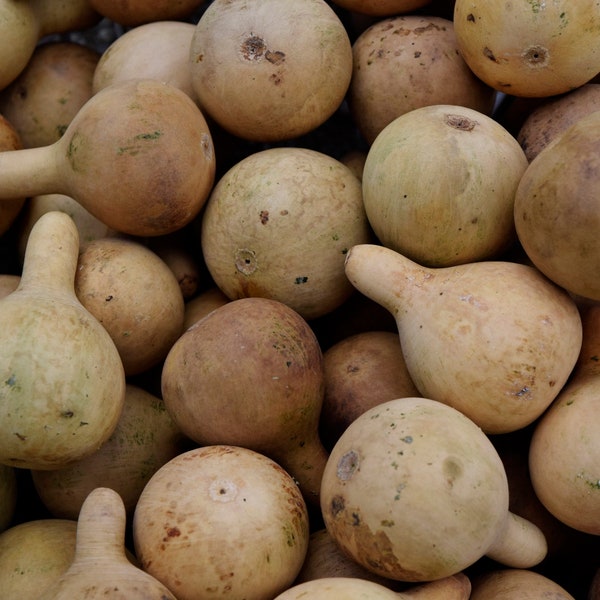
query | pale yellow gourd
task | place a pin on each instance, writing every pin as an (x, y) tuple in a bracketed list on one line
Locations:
[(414, 491), (494, 339), (24, 24), (62, 383)]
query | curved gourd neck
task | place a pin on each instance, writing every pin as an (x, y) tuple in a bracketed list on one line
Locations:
[(383, 275), (51, 256), (31, 172)]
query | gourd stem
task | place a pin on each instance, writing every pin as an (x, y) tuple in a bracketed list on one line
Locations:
[(30, 172), (383, 275), (51, 255), (520, 545), (101, 527)]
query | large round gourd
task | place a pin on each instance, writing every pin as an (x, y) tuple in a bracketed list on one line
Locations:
[(557, 216), (62, 381), (530, 48), (439, 184), (278, 225), (414, 491), (267, 70)]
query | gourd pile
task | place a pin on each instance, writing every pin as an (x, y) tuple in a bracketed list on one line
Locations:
[(300, 298)]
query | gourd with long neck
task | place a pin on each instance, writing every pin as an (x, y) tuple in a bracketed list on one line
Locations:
[(494, 339), (62, 382), (138, 156)]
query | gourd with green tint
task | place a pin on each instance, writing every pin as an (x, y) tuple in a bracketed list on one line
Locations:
[(62, 382)]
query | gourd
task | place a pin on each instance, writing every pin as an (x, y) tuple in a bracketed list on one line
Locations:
[(136, 297), (168, 42), (270, 71), (564, 455), (250, 373), (24, 24), (530, 49), (361, 371), (439, 185), (414, 491), (554, 116), (356, 588), (494, 339), (406, 62), (57, 81), (34, 555), (221, 521), (144, 439), (10, 209), (278, 224), (100, 567), (516, 584), (138, 156), (565, 210), (62, 383), (133, 13)]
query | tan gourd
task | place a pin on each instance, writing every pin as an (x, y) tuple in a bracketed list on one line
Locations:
[(136, 297), (516, 584), (133, 13), (34, 555), (439, 184), (494, 339), (356, 588), (250, 374), (594, 591), (270, 71), (168, 42), (138, 155), (533, 49), (88, 226), (382, 8), (278, 224), (564, 452), (8, 284), (221, 521), (324, 558), (174, 250), (8, 495), (62, 381), (12, 207), (202, 304), (554, 116), (100, 567), (24, 24), (144, 439), (414, 490), (48, 93), (406, 62), (361, 371), (565, 210)]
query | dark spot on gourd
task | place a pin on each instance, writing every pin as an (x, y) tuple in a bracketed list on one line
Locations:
[(489, 54), (471, 18), (460, 122), (173, 532), (300, 280), (276, 57), (337, 505), (347, 465), (67, 414), (264, 216)]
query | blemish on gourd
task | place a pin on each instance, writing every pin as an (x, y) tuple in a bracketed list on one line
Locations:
[(347, 465), (300, 280)]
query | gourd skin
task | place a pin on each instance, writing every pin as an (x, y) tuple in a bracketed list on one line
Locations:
[(62, 383)]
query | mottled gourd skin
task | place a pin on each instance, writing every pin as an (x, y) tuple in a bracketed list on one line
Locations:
[(62, 382)]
